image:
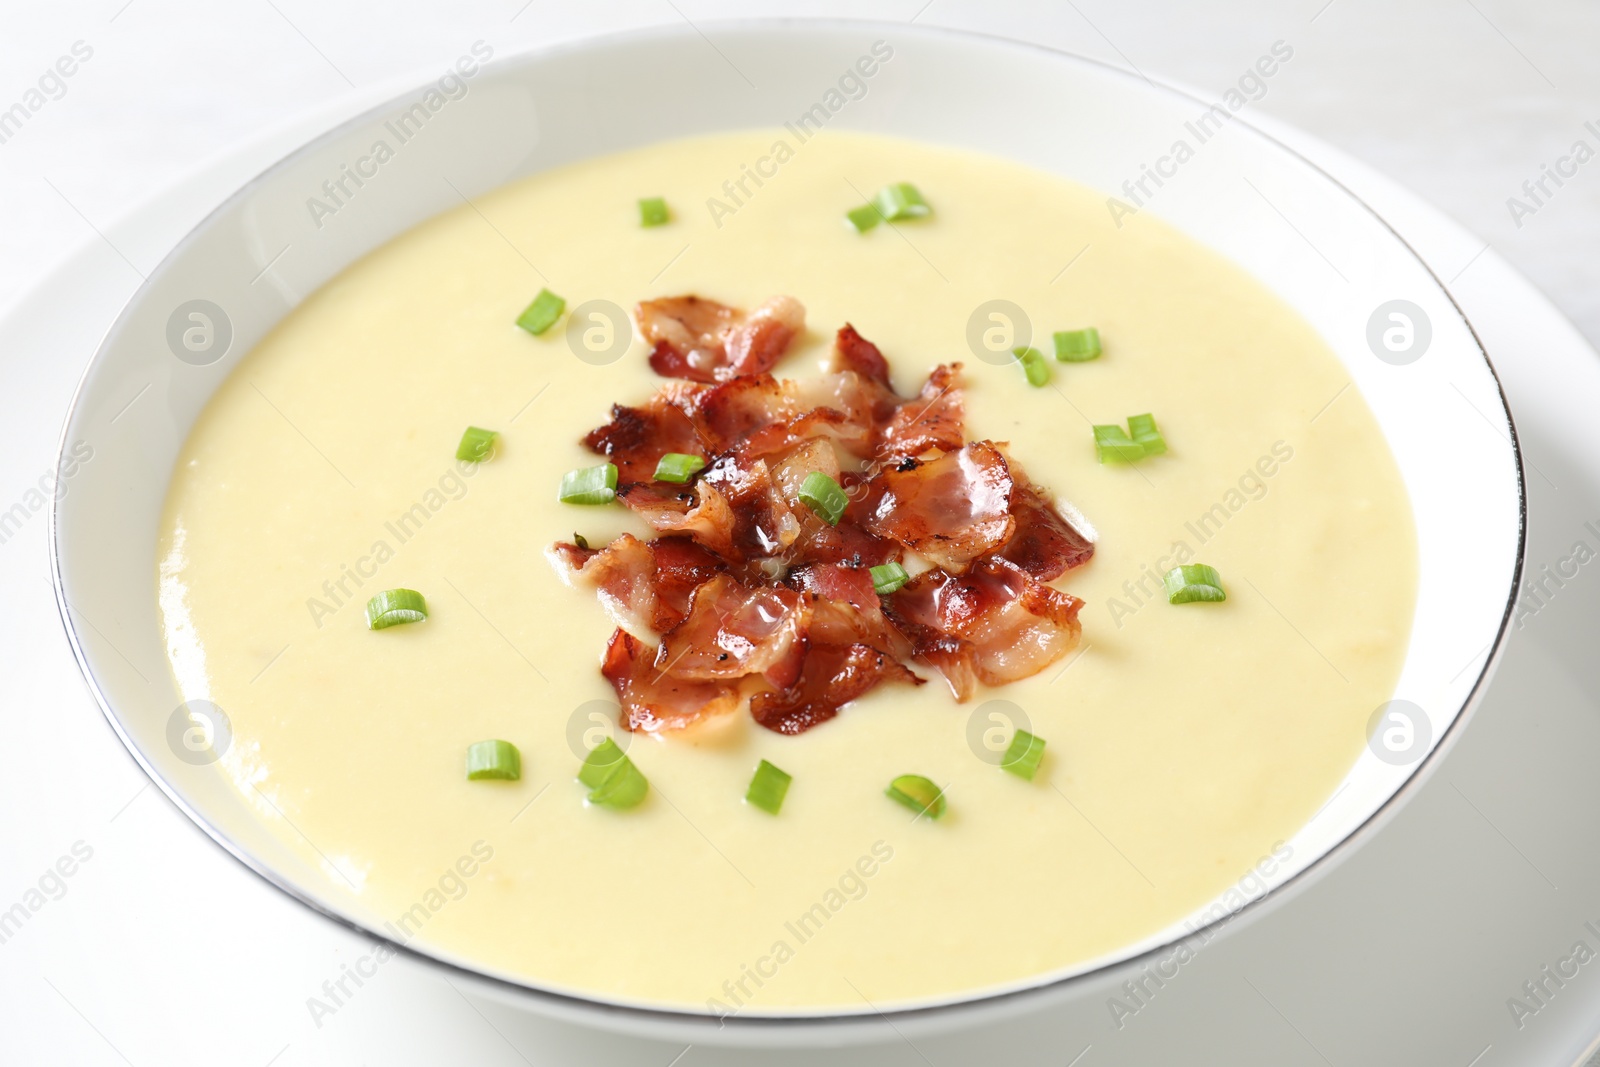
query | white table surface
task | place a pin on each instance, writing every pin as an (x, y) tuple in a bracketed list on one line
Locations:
[(161, 950)]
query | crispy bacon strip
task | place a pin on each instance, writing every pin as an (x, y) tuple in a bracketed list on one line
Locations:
[(1045, 544), (845, 608), (950, 510), (932, 420), (855, 353), (726, 415), (636, 438), (703, 341), (651, 701), (704, 514), (763, 523), (993, 624), (755, 346), (832, 677), (619, 573), (681, 567), (643, 586), (688, 335), (733, 630)]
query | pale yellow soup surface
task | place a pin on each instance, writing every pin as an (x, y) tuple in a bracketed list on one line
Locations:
[(1185, 742)]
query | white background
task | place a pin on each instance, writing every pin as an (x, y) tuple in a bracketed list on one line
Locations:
[(1461, 100)]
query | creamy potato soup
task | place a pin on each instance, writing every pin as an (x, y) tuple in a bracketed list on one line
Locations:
[(1184, 742)]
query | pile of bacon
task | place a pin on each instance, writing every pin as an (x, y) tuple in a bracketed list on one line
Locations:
[(749, 594)]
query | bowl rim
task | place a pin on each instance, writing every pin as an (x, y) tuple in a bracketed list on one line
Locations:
[(595, 1010)]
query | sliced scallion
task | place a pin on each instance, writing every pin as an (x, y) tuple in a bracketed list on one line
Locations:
[(864, 217), (542, 314), (1077, 346), (1191, 582), (493, 759), (823, 495), (476, 445), (901, 201), (590, 485), (917, 793), (653, 211), (1022, 756), (1113, 445), (613, 780), (1142, 428), (1033, 365), (395, 606), (768, 787), (888, 578), (678, 467)]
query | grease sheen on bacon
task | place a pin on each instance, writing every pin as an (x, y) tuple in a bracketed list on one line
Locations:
[(704, 341), (653, 701), (994, 624), (745, 592)]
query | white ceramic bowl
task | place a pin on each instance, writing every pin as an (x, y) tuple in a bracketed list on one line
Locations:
[(1310, 240)]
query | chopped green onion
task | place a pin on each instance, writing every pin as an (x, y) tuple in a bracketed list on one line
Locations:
[(395, 606), (1022, 756), (542, 314), (822, 495), (493, 759), (1113, 445), (1142, 428), (581, 541), (476, 444), (653, 211), (1077, 346), (622, 790), (590, 485), (613, 780), (864, 217), (888, 578), (917, 793), (1193, 581), (601, 763), (1033, 365), (768, 788), (901, 201), (678, 467)]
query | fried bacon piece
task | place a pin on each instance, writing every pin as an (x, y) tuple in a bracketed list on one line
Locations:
[(704, 341), (688, 335), (831, 677), (652, 701), (643, 586), (704, 514), (619, 574), (756, 345), (1045, 543), (993, 624), (733, 630), (726, 415), (636, 438), (950, 510), (682, 566), (845, 608), (887, 425), (932, 420), (764, 524), (855, 353)]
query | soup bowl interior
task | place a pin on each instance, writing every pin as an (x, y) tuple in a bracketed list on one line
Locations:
[(1406, 348)]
